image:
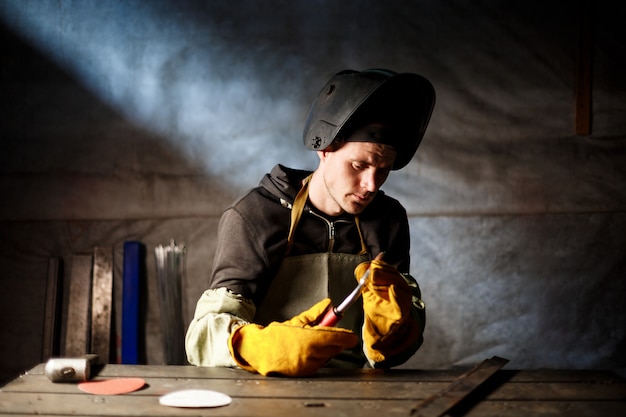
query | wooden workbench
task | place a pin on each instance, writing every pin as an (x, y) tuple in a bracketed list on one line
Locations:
[(359, 393)]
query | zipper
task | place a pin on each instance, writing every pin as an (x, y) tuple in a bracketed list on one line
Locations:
[(330, 224), (331, 228)]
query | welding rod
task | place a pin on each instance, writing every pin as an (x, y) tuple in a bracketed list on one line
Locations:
[(334, 314)]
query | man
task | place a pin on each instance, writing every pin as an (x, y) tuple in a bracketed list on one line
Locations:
[(293, 247)]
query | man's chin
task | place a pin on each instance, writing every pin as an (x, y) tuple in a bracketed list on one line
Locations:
[(355, 208)]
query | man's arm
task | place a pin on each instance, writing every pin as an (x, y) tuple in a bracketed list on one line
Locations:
[(218, 312)]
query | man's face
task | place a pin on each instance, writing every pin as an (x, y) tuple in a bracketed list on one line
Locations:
[(353, 174)]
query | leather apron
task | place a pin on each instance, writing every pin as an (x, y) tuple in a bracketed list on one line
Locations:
[(304, 280)]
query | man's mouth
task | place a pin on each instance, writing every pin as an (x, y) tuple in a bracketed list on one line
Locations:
[(362, 199)]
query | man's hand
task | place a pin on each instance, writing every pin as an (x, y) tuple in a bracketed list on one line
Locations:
[(296, 347), (389, 327)]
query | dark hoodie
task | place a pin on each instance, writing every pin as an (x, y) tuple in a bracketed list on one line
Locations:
[(252, 234)]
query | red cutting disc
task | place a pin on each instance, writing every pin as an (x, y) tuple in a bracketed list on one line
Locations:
[(112, 386)]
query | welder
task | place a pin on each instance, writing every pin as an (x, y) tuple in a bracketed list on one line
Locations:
[(297, 244)]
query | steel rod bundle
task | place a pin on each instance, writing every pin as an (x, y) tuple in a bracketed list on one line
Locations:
[(170, 268)]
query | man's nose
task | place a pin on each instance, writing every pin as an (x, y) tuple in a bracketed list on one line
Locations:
[(368, 181)]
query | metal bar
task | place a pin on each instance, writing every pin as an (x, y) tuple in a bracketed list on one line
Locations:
[(101, 303), (584, 70), (52, 313), (131, 300), (77, 325), (439, 403)]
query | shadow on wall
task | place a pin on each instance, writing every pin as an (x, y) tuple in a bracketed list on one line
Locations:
[(76, 174), (187, 72), (69, 155)]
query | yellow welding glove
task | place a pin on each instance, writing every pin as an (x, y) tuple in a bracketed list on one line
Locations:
[(293, 348), (390, 327)]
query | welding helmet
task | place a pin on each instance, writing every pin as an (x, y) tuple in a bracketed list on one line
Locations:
[(350, 100)]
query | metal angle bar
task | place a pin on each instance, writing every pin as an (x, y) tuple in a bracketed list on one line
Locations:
[(437, 404)]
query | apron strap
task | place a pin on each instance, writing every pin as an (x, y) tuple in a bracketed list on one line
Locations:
[(357, 221), (296, 214), (296, 211)]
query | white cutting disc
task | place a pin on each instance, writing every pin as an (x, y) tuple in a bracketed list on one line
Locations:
[(195, 398)]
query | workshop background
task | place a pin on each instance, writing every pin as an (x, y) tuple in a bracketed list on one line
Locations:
[(142, 120)]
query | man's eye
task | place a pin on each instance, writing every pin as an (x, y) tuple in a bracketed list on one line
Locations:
[(359, 166), (382, 175)]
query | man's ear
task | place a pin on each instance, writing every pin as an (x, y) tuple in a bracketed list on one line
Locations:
[(324, 153)]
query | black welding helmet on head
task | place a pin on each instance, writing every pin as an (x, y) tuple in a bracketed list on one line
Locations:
[(403, 103)]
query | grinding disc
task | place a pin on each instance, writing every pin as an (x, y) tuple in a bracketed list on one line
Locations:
[(112, 386), (195, 398)]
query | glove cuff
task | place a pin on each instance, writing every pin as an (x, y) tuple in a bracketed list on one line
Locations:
[(234, 342), (384, 348)]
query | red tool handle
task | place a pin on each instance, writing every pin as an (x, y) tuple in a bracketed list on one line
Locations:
[(331, 318)]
